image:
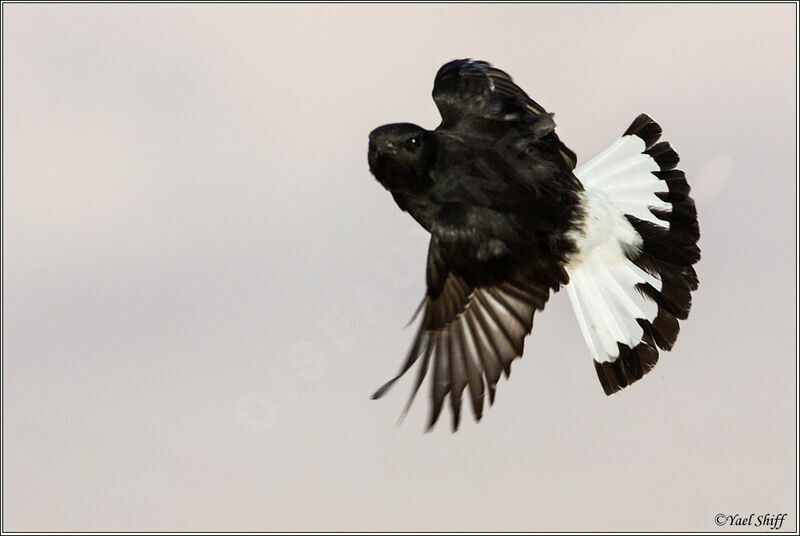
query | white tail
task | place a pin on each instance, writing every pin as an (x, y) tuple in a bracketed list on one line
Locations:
[(617, 276)]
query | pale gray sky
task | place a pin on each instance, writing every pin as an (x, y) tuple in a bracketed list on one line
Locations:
[(203, 284)]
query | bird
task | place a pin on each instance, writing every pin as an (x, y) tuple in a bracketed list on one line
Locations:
[(513, 218)]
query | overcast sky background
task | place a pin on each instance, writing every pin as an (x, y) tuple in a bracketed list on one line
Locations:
[(203, 284)]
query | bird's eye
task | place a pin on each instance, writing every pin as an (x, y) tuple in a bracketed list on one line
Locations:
[(414, 142)]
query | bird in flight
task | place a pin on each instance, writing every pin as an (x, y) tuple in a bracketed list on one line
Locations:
[(512, 219)]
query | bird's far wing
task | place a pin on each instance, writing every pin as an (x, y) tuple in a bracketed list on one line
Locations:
[(465, 90), (469, 336)]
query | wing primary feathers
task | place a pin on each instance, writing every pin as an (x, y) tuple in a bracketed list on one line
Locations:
[(517, 309), (474, 376), (504, 337), (492, 363), (441, 377), (512, 314), (457, 376), (423, 371), (413, 355), (416, 312)]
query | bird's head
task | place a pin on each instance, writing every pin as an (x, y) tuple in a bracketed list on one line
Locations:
[(401, 156)]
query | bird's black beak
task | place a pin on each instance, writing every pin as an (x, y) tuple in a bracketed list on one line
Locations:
[(378, 151), (385, 147)]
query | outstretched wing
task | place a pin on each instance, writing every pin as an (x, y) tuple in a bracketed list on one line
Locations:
[(467, 90), (469, 336)]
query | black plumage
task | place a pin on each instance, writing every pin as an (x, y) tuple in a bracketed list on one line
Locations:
[(494, 185)]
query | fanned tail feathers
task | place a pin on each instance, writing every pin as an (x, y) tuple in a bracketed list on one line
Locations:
[(632, 276)]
